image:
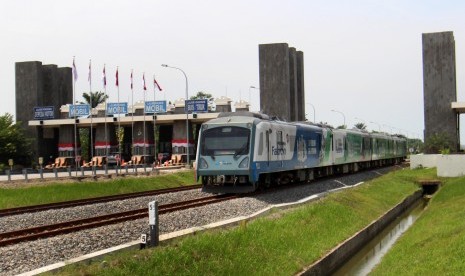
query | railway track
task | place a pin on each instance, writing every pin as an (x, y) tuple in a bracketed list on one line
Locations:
[(46, 231), (74, 203)]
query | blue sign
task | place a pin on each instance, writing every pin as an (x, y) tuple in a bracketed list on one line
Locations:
[(196, 105), (44, 112), (76, 110), (117, 108), (155, 107)]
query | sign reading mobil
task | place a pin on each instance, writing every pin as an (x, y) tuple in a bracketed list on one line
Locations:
[(117, 108), (79, 110), (44, 112), (196, 106), (155, 107)]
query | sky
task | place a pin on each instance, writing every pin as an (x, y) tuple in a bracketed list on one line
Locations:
[(362, 58)]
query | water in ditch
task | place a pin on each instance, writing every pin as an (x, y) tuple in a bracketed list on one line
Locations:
[(372, 253)]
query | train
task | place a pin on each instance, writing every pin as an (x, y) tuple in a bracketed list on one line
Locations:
[(245, 151)]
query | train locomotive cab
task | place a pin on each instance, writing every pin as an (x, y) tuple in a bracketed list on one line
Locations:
[(224, 155)]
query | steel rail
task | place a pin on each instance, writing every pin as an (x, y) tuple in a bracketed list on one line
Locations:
[(13, 237), (80, 202)]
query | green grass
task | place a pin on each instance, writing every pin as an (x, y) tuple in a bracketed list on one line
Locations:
[(280, 244), (56, 192), (435, 244)]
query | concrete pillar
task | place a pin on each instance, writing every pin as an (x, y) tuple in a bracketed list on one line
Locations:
[(179, 142), (282, 92), (300, 105), (41, 85), (439, 87), (274, 80)]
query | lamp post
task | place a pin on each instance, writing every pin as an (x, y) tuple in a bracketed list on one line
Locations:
[(314, 113), (341, 114), (250, 101), (379, 126), (185, 107)]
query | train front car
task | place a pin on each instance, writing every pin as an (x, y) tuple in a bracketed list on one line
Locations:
[(224, 155)]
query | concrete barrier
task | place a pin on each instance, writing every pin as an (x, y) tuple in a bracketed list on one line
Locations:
[(339, 255), (423, 160), (451, 165)]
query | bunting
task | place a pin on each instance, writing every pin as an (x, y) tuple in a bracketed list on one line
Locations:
[(104, 78), (117, 83), (75, 75), (156, 85)]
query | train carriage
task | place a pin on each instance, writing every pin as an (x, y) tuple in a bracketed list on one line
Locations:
[(238, 153)]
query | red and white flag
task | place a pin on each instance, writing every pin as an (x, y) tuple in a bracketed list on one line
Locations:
[(132, 86), (104, 78), (156, 85), (75, 75), (143, 79), (117, 83)]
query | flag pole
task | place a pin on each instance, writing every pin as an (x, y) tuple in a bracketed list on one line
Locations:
[(105, 105), (74, 108), (119, 119), (132, 103), (145, 88), (154, 122), (91, 115)]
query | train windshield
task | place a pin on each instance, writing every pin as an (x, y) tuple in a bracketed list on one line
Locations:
[(227, 140)]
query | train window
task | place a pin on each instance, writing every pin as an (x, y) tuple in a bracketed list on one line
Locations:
[(225, 141)]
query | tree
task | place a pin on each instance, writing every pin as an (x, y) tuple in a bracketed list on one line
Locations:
[(201, 95), (13, 143), (97, 97), (360, 126), (439, 143), (342, 127)]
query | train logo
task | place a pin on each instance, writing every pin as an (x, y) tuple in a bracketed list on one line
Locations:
[(301, 149)]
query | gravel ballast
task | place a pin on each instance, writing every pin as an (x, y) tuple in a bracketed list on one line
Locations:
[(27, 256)]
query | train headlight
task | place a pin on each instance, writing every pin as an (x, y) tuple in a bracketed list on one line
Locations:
[(203, 164), (244, 163)]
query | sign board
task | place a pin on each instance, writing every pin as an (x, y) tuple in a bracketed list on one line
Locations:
[(155, 107), (78, 158), (41, 160), (117, 108), (196, 106), (10, 162), (79, 110), (44, 112)]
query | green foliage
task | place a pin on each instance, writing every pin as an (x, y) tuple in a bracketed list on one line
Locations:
[(280, 244), (360, 126), (57, 192), (342, 127), (13, 143), (97, 98), (201, 95), (434, 244), (439, 143)]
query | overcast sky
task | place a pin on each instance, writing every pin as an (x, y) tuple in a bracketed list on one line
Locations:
[(362, 58)]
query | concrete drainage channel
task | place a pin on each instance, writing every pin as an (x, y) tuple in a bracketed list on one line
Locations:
[(330, 263), (359, 254)]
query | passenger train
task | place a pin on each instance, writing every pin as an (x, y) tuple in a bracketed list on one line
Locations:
[(241, 152)]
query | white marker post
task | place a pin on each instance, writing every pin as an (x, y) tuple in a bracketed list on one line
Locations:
[(153, 223)]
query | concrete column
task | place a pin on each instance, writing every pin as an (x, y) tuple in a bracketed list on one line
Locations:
[(439, 87), (300, 106)]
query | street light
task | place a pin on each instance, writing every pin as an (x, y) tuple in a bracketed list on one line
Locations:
[(250, 101), (341, 114), (314, 113), (185, 108)]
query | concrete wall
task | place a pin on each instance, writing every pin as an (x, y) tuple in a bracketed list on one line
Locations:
[(423, 160), (451, 165), (275, 80), (41, 85), (281, 82), (439, 86)]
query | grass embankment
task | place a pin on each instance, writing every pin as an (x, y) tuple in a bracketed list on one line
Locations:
[(280, 244), (56, 192), (435, 244)]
